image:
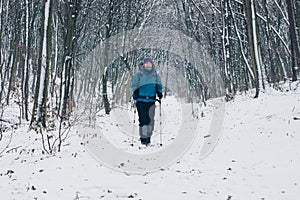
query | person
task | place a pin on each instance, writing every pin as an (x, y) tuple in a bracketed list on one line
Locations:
[(146, 85)]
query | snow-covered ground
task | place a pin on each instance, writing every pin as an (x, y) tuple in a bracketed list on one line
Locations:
[(257, 156)]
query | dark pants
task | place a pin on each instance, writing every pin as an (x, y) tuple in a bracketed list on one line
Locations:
[(146, 112)]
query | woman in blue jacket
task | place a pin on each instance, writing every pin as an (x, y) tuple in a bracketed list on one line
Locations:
[(146, 84)]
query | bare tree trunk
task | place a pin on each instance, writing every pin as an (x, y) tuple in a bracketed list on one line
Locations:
[(226, 49), (39, 113), (297, 17), (67, 75), (253, 40), (293, 38), (26, 68), (16, 42), (13, 72), (106, 47), (1, 29)]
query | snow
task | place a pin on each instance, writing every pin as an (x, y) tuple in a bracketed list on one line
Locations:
[(256, 157)]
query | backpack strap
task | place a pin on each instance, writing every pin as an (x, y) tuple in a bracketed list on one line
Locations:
[(139, 77)]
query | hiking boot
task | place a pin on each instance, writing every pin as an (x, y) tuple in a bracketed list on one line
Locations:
[(148, 140), (143, 141)]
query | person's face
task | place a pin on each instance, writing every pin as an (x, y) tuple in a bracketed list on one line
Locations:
[(148, 65)]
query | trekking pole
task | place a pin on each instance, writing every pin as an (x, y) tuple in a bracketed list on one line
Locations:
[(160, 122), (134, 114)]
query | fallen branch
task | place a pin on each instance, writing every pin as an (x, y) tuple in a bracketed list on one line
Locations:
[(15, 148), (2, 120), (10, 138), (206, 136)]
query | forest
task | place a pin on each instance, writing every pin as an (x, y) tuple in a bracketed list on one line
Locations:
[(61, 57)]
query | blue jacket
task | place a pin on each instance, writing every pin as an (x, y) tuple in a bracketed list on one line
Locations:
[(148, 85)]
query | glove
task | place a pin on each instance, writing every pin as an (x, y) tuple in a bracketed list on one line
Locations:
[(159, 94), (135, 94)]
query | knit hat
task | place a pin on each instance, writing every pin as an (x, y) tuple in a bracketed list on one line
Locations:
[(148, 59)]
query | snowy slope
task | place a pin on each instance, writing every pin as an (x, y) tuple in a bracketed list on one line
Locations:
[(257, 157)]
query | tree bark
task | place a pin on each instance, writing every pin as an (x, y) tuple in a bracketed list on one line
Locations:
[(39, 113), (14, 65), (295, 55), (297, 17), (67, 76), (253, 40)]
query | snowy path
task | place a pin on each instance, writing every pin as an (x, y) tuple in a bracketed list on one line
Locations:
[(179, 130), (257, 157)]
